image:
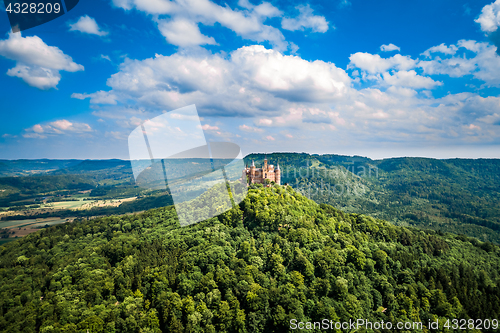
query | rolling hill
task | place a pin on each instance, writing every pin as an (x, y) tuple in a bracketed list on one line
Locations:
[(275, 258)]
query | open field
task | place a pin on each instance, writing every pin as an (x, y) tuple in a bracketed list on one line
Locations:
[(52, 207), (106, 203), (33, 223), (20, 228), (64, 205)]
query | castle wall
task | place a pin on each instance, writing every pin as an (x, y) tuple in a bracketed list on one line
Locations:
[(259, 175)]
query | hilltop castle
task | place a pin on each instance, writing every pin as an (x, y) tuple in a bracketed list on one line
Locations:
[(260, 175)]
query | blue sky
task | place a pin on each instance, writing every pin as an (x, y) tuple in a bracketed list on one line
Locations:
[(379, 79)]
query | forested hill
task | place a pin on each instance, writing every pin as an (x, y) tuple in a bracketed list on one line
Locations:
[(455, 195), (276, 257)]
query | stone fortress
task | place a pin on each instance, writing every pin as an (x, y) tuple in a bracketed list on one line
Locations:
[(255, 175)]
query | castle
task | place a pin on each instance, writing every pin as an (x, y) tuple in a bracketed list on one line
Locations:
[(260, 175)]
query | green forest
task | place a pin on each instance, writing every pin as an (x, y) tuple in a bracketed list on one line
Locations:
[(461, 196), (453, 195), (275, 257)]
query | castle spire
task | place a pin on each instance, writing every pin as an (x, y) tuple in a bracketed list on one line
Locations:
[(253, 163)]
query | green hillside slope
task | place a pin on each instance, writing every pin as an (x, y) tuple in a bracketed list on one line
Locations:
[(454, 195), (277, 257)]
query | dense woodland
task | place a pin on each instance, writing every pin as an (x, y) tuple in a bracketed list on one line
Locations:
[(454, 195), (277, 256)]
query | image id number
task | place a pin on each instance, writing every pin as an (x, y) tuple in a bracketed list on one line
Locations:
[(33, 8)]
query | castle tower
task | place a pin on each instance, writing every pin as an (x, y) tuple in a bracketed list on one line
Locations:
[(265, 170), (278, 175), (252, 172)]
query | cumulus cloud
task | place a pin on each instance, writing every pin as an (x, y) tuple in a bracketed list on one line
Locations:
[(183, 32), (373, 63), (490, 17), (62, 126), (467, 57), (87, 25), (397, 73), (290, 77), (490, 22), (484, 64), (208, 127), (99, 97), (246, 128), (287, 94), (442, 48), (410, 79), (247, 23), (251, 80), (38, 64), (390, 47), (305, 20)]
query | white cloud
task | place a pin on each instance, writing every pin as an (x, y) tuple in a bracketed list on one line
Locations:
[(88, 25), (373, 63), (62, 126), (266, 9), (125, 4), (65, 125), (265, 122), (36, 63), (394, 72), (250, 129), (38, 128), (454, 67), (490, 17), (99, 97), (116, 135), (483, 65), (442, 48), (287, 94), (290, 77), (410, 79), (305, 20), (390, 47), (183, 32), (42, 78), (251, 80), (207, 127), (247, 23)]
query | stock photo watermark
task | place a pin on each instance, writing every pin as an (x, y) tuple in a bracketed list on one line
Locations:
[(204, 178), (26, 14)]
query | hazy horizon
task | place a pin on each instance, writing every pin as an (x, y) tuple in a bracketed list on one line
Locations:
[(269, 153)]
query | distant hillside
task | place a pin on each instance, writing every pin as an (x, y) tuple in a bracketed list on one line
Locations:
[(97, 165), (455, 195), (11, 168), (275, 258)]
